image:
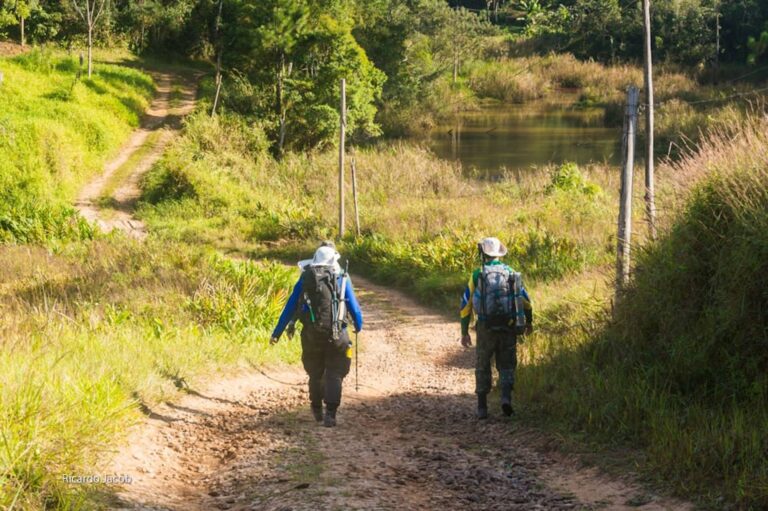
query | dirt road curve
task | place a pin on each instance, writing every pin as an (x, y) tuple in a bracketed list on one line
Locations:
[(164, 117), (407, 440)]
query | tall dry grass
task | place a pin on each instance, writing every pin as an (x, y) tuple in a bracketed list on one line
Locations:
[(680, 368)]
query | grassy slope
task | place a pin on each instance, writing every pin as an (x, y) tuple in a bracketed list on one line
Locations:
[(681, 370), (95, 330), (57, 132), (76, 320)]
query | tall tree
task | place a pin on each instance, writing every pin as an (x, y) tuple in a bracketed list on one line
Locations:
[(277, 28), (23, 10), (17, 12), (90, 11), (459, 34)]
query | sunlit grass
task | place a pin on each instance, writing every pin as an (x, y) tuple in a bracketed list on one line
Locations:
[(92, 334), (55, 133)]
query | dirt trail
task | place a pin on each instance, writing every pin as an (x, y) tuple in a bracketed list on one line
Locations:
[(407, 440), (158, 126)]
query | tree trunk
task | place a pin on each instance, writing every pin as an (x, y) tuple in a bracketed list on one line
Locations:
[(455, 67), (90, 50), (23, 39)]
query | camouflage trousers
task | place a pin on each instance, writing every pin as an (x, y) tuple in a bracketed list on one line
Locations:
[(501, 345)]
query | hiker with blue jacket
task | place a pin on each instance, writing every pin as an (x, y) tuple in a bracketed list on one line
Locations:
[(495, 293), (323, 300)]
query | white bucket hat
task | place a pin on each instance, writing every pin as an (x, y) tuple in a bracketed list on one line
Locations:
[(324, 256), (492, 247)]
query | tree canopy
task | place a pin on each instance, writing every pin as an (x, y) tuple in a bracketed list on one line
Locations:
[(282, 59)]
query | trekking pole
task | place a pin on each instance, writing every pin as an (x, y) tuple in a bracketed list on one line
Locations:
[(357, 386)]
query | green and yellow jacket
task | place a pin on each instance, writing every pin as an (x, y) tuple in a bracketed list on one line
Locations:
[(466, 312)]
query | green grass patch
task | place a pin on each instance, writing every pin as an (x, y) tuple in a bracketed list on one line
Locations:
[(56, 131), (122, 173)]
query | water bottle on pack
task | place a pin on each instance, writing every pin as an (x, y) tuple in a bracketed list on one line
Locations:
[(519, 305)]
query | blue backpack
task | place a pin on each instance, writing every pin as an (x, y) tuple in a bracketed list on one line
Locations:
[(497, 299)]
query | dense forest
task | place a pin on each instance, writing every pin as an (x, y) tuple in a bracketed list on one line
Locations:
[(282, 60)]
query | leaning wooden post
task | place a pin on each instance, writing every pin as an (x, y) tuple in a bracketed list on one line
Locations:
[(342, 134), (218, 59), (625, 206), (650, 201), (218, 92), (354, 194)]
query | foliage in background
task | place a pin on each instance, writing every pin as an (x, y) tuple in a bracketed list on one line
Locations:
[(293, 55), (684, 31)]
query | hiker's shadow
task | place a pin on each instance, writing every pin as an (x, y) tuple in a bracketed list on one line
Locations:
[(462, 358)]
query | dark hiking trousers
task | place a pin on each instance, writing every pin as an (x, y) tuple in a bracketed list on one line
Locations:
[(326, 366), (502, 345)]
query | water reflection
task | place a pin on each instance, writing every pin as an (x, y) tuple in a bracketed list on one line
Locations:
[(517, 137)]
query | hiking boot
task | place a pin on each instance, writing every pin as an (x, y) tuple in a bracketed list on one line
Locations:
[(482, 406), (506, 400), (330, 419), (317, 413)]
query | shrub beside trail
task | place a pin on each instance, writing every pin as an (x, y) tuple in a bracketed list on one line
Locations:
[(682, 367)]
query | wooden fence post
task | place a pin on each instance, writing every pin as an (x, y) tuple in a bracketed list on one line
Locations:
[(342, 135), (650, 201), (625, 205), (354, 193), (216, 96)]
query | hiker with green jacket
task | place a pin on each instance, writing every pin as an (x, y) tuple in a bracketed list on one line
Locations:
[(495, 293)]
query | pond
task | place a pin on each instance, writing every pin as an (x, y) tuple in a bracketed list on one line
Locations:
[(518, 137)]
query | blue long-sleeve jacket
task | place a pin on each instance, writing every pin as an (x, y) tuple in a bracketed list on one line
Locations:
[(296, 300)]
